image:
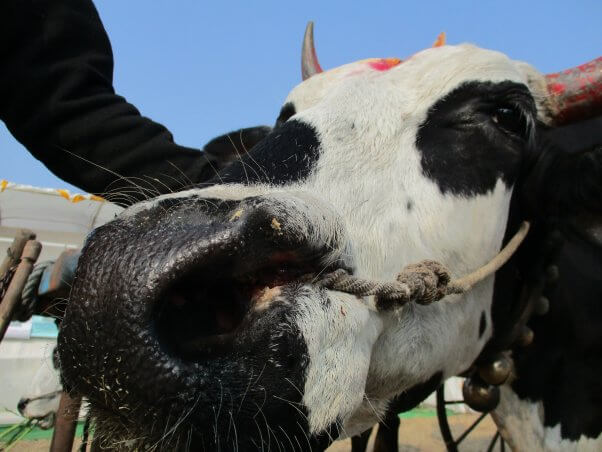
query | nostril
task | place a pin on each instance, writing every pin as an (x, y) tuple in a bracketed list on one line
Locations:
[(22, 405), (198, 315)]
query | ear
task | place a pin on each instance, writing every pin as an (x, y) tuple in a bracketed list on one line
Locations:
[(565, 185), (565, 181), (226, 148)]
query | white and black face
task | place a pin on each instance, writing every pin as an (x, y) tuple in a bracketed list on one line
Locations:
[(218, 333)]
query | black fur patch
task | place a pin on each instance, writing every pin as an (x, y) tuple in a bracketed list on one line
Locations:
[(288, 154), (464, 150)]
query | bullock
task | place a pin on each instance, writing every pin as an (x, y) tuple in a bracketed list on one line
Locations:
[(196, 319)]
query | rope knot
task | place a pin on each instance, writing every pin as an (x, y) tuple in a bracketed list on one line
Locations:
[(427, 281), (423, 283)]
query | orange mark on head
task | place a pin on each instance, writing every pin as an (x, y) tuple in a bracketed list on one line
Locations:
[(384, 64), (440, 41)]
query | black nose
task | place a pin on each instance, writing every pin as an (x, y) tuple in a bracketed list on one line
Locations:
[(177, 282), (163, 316)]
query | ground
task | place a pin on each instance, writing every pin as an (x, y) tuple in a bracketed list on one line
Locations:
[(418, 433), (422, 434)]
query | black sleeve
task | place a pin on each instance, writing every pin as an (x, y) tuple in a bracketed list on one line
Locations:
[(57, 99)]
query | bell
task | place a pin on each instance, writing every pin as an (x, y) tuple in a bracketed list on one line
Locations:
[(480, 396), (541, 306), (525, 337), (496, 372)]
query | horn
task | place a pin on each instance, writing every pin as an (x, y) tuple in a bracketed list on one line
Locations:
[(309, 60), (576, 93), (440, 41)]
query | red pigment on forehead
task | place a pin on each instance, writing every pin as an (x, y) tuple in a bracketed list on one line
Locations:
[(384, 64), (557, 88)]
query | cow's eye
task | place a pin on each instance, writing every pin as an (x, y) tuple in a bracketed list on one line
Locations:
[(511, 119)]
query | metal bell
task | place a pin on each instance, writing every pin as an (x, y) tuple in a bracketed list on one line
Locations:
[(496, 372), (525, 338), (541, 306), (479, 395)]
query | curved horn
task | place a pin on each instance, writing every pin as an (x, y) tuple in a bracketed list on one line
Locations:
[(576, 93), (309, 60), (440, 41)]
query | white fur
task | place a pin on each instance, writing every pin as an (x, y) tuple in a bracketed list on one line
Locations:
[(339, 339)]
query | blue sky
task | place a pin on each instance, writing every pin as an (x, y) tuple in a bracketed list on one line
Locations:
[(204, 68)]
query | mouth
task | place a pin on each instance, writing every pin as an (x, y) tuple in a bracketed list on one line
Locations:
[(200, 315)]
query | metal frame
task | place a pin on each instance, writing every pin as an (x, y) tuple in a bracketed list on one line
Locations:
[(14, 271), (452, 444)]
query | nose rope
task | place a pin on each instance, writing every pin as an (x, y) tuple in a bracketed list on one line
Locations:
[(424, 282)]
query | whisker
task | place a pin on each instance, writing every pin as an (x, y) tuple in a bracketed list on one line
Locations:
[(267, 179), (177, 168), (305, 435), (154, 179), (380, 418), (213, 168), (183, 185), (288, 437), (246, 390), (292, 404), (100, 167)]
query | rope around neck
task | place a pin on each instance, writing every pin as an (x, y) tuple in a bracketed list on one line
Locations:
[(424, 282)]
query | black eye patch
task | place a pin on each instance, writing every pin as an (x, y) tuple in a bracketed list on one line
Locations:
[(477, 135)]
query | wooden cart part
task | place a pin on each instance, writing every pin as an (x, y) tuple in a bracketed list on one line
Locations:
[(12, 297), (66, 423)]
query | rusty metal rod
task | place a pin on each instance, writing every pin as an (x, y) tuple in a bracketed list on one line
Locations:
[(66, 423), (14, 251), (12, 297)]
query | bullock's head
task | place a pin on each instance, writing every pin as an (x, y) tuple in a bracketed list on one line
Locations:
[(195, 319)]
